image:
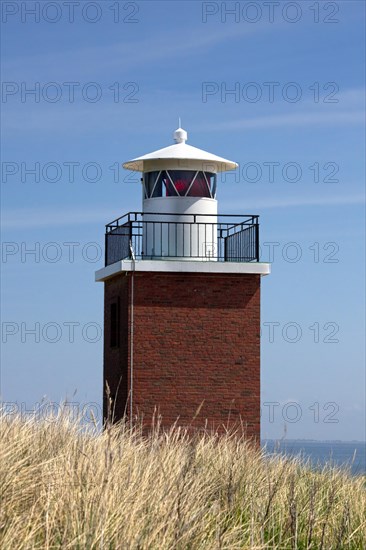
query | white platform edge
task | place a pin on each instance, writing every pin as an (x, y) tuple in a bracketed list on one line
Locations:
[(176, 266)]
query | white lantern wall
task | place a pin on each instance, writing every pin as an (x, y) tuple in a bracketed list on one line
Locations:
[(180, 215)]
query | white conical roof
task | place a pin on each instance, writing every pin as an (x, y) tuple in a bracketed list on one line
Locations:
[(180, 151)]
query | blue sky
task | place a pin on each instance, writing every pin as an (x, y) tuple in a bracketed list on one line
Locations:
[(296, 109)]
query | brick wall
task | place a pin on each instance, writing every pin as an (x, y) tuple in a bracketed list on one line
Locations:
[(196, 344)]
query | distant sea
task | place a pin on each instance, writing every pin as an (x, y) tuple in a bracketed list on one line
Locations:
[(346, 454)]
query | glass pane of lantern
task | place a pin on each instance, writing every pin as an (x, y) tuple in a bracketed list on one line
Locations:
[(158, 190), (211, 178), (182, 180), (153, 190), (168, 190), (199, 187)]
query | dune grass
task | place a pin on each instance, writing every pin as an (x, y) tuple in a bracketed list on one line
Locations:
[(66, 487)]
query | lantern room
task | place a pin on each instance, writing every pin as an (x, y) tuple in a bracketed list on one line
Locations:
[(179, 182), (179, 218), (179, 171)]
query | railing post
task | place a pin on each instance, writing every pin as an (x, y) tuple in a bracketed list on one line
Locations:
[(106, 248), (257, 240), (131, 247)]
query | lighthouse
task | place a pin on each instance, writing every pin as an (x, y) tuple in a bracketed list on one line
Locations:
[(182, 299)]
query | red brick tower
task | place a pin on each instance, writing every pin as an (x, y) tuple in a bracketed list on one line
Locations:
[(182, 299)]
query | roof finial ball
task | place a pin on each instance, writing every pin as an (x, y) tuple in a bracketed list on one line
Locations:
[(180, 135)]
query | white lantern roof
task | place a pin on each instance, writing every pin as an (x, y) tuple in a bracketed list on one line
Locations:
[(180, 151)]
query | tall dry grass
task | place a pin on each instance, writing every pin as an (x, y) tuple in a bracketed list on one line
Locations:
[(63, 487)]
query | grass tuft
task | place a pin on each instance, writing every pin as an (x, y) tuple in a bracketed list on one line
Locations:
[(63, 486)]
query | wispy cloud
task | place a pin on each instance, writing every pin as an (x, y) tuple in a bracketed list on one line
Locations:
[(340, 118), (154, 106), (349, 111), (357, 199), (123, 55), (51, 217)]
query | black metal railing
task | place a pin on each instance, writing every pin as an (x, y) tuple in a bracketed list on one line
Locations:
[(182, 236)]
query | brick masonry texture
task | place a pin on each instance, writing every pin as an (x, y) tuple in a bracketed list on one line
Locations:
[(196, 347)]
